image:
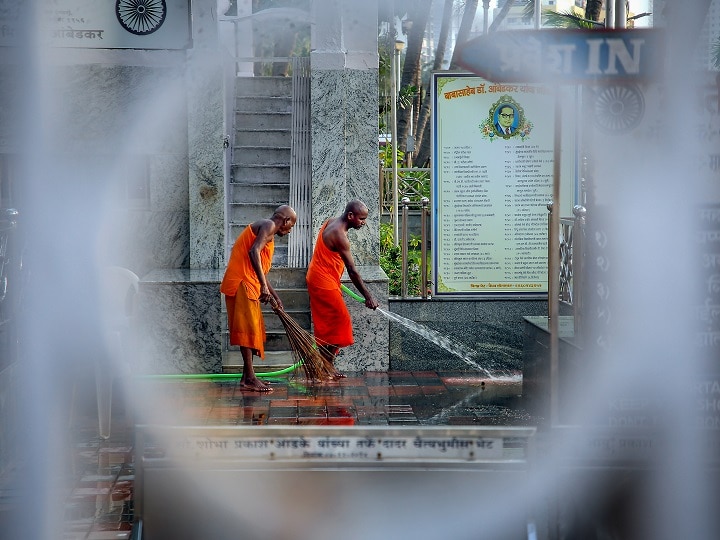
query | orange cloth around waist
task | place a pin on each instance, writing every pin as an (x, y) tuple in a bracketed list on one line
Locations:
[(325, 267), (246, 325), (240, 270), (331, 318)]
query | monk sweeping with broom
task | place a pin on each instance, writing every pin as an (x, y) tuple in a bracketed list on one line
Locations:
[(331, 318), (245, 286)]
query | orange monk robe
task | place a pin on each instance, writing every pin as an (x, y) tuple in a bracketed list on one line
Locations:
[(241, 288), (331, 318)]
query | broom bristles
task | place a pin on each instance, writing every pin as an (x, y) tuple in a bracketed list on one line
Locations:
[(304, 348)]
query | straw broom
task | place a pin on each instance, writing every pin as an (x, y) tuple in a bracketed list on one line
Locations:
[(304, 348)]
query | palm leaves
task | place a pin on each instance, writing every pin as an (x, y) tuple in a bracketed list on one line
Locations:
[(567, 19)]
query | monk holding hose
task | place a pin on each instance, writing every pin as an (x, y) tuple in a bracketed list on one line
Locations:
[(331, 318), (245, 286)]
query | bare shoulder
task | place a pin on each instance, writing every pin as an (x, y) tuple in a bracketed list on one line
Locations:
[(334, 236), (263, 227)]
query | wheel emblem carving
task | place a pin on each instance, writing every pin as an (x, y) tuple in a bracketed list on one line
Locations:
[(141, 17), (619, 109)]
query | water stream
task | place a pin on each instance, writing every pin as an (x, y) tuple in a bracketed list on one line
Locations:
[(466, 354)]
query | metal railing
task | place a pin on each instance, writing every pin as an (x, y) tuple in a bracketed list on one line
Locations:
[(249, 31), (404, 242), (413, 183), (300, 243), (572, 251), (413, 191)]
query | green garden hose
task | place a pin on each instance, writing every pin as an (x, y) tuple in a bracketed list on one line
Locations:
[(352, 293), (214, 376)]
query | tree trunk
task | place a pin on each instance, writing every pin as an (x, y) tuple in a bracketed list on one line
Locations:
[(411, 68), (500, 17), (422, 144), (465, 27), (593, 9)]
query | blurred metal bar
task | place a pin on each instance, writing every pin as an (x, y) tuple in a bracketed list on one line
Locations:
[(550, 277), (404, 248), (578, 264), (394, 91), (423, 249), (554, 264), (620, 13)]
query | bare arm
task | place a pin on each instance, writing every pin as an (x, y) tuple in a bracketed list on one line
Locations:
[(264, 234), (338, 241)]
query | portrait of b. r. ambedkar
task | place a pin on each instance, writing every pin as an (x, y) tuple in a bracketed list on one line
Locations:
[(505, 120)]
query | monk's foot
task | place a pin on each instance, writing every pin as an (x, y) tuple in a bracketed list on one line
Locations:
[(338, 375), (255, 385)]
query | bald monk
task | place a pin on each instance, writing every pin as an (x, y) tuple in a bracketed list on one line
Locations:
[(331, 318), (245, 286)]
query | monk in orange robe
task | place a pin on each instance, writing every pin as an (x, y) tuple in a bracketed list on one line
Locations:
[(331, 256), (245, 286)]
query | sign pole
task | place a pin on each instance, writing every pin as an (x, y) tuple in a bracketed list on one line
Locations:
[(554, 264), (393, 108)]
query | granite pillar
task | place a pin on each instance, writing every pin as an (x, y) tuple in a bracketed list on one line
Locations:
[(204, 82), (344, 128)]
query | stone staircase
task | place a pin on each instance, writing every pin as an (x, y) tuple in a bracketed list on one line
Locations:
[(260, 182), (260, 173)]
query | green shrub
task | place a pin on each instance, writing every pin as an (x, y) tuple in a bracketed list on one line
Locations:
[(391, 261)]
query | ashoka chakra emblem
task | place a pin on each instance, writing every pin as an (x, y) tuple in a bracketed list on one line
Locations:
[(619, 108), (141, 17)]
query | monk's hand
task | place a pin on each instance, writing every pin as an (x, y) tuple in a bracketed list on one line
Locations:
[(265, 295), (277, 304), (371, 303)]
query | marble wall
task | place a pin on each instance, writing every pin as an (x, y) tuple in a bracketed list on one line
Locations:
[(494, 329), (178, 324), (344, 153), (121, 127), (204, 78)]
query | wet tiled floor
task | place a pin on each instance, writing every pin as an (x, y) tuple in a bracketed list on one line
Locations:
[(100, 502), (387, 398)]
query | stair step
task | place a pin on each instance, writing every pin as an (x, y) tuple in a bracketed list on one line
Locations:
[(276, 340), (295, 301), (274, 324), (232, 361), (262, 174), (242, 214), (261, 155), (263, 120), (263, 137), (258, 193), (263, 86), (288, 278), (302, 318), (263, 104)]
